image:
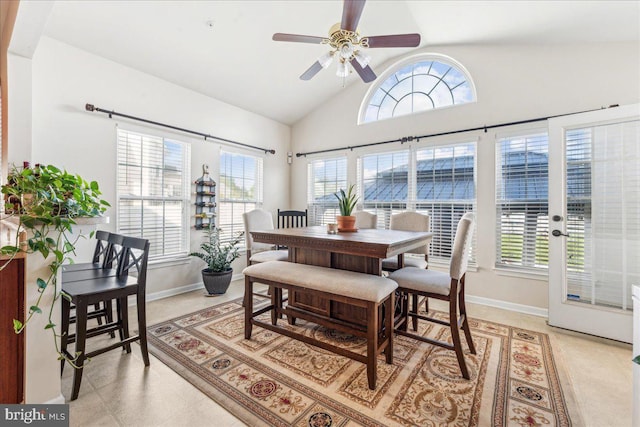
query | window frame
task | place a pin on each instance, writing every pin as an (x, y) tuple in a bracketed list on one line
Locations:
[(237, 224), (185, 199), (411, 204), (524, 268), (394, 205), (362, 112), (313, 220)]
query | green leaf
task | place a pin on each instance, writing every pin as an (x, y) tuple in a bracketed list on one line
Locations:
[(50, 325), (94, 186), (35, 309), (17, 325), (9, 250), (41, 283), (637, 359)]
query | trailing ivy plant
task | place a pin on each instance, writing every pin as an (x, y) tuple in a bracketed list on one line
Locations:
[(44, 202)]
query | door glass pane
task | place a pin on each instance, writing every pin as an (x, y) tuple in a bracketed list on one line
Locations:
[(603, 213)]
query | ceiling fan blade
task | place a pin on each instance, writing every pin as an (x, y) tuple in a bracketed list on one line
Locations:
[(281, 37), (366, 74), (312, 71), (351, 12), (395, 40)]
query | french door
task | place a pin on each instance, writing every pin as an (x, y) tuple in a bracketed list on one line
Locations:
[(594, 220)]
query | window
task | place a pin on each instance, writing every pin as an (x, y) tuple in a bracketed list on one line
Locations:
[(438, 181), (240, 191), (384, 184), (427, 83), (522, 205), (445, 190), (325, 177), (153, 191)]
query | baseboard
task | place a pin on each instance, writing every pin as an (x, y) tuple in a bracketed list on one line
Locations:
[(173, 291), (182, 289), (56, 400), (511, 306)]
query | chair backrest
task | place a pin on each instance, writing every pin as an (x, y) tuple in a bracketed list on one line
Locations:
[(255, 220), (366, 220), (115, 251), (411, 221), (135, 255), (461, 246), (292, 219), (102, 246)]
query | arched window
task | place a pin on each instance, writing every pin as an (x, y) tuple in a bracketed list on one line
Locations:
[(418, 84)]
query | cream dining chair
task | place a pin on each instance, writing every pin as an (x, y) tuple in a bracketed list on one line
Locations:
[(366, 220), (444, 286), (258, 220), (409, 221)]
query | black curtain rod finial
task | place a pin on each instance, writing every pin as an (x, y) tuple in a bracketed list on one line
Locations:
[(89, 107)]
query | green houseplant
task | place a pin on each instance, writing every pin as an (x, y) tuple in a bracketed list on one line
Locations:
[(347, 201), (44, 201), (218, 256)]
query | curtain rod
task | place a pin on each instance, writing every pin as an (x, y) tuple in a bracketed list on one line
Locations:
[(91, 107), (452, 132)]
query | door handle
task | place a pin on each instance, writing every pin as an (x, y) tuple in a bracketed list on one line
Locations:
[(558, 233)]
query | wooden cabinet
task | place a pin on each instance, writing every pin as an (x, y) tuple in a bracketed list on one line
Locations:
[(12, 278)]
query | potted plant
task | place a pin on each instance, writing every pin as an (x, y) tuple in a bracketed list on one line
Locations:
[(347, 202), (218, 256), (43, 202)]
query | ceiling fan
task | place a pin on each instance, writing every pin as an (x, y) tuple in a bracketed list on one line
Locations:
[(346, 44)]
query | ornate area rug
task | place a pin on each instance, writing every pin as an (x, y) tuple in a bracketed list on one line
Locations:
[(274, 380)]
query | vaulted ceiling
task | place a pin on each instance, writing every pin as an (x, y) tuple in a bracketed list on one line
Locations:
[(224, 49)]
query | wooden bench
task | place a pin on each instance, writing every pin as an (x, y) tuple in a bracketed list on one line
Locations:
[(373, 293)]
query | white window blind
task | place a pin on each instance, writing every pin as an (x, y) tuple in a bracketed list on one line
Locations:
[(325, 178), (522, 202), (153, 191), (603, 213), (446, 190), (383, 184), (239, 190)]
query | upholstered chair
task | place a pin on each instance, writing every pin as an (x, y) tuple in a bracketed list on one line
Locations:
[(366, 220), (409, 221), (257, 220), (443, 286)]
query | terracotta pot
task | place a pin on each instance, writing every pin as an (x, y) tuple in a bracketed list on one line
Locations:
[(346, 223)]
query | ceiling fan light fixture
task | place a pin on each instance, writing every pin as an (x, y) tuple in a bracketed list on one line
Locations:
[(326, 59), (362, 58), (343, 69)]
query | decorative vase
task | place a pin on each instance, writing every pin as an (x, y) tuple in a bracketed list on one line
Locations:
[(346, 223), (216, 282)]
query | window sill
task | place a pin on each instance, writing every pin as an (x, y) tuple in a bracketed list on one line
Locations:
[(533, 275), (168, 262)]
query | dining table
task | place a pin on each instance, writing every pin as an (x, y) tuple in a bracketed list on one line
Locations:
[(361, 251)]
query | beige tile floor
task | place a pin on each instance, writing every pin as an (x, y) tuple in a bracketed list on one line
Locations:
[(117, 390)]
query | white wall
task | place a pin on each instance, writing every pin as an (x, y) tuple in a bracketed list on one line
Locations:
[(66, 78), (513, 83), (48, 124)]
